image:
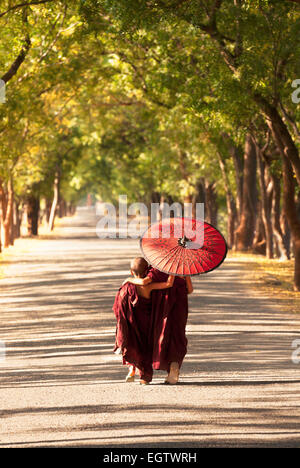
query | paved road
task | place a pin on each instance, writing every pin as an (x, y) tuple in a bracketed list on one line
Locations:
[(62, 386)]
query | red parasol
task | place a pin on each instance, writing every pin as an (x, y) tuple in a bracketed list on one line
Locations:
[(183, 246)]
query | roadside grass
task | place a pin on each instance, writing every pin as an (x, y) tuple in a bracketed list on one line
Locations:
[(4, 260), (270, 277)]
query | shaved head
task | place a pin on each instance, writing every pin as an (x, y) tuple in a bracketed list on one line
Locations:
[(139, 266)]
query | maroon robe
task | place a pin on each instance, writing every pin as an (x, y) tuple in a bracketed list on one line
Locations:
[(133, 331), (152, 335), (169, 317)]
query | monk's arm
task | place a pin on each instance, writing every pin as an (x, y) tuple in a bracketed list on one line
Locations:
[(166, 284), (189, 285), (138, 281)]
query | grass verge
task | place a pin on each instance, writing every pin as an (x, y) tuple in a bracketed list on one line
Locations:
[(270, 277)]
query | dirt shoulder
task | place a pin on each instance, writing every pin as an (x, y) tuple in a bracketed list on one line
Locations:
[(269, 278)]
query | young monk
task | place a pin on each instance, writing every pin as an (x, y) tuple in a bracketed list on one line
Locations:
[(170, 311), (133, 311)]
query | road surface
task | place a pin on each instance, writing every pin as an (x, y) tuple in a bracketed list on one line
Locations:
[(61, 385)]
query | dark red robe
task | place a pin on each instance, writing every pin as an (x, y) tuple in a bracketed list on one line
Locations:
[(169, 317), (152, 334), (133, 331)]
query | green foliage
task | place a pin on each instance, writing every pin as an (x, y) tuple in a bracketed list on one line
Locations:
[(128, 96)]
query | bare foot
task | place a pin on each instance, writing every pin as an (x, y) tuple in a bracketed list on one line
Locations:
[(131, 374), (144, 382), (173, 375)]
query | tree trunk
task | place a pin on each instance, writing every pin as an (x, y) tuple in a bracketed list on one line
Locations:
[(7, 223), (290, 159), (245, 231), (296, 248), (211, 206), (286, 232), (33, 209), (69, 208), (198, 196), (16, 220), (274, 196), (266, 215), (89, 200), (48, 209), (2, 213), (155, 197), (72, 209), (290, 212), (298, 206), (282, 251), (259, 240), (290, 209), (239, 167), (280, 133), (55, 199), (62, 207), (230, 204)]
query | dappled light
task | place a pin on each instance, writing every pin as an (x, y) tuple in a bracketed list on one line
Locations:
[(149, 196), (61, 384)]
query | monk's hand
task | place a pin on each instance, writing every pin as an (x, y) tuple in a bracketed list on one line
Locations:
[(170, 280), (128, 280)]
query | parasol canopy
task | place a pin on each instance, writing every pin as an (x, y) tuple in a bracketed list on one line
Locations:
[(183, 246)]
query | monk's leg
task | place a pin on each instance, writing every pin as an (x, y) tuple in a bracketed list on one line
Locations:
[(177, 346), (146, 374), (173, 375), (131, 373)]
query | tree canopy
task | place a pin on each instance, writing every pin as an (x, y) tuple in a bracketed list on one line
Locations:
[(185, 100)]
